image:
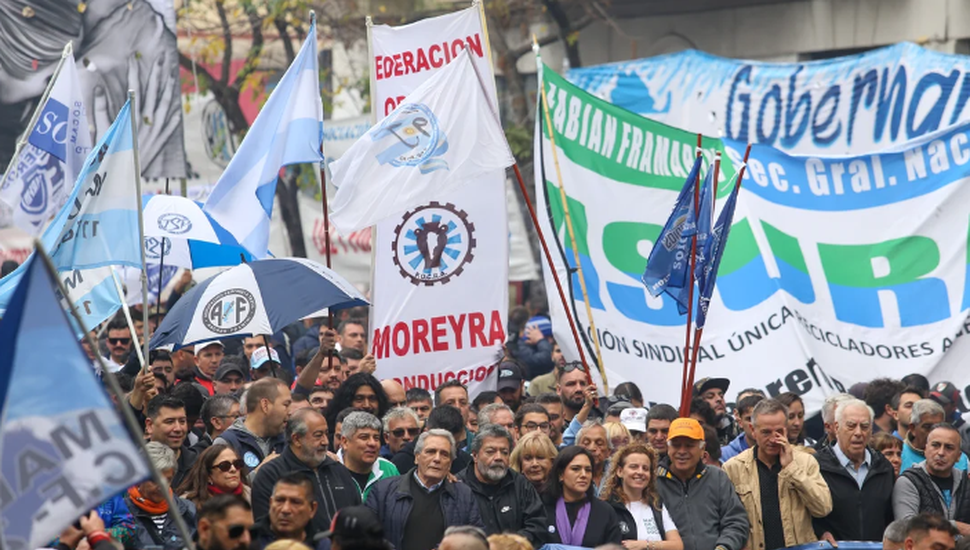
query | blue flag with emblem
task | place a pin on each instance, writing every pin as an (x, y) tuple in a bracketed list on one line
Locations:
[(97, 227), (667, 265), (703, 222), (62, 453), (710, 258), (288, 130)]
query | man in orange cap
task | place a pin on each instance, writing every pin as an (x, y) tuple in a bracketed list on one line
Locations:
[(700, 499)]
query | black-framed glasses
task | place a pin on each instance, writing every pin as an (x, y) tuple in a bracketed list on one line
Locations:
[(532, 426), (236, 530), (413, 432), (227, 465)]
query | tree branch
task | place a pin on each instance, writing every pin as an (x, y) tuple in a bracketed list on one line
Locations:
[(255, 49), (546, 40), (227, 39), (285, 37), (566, 29)]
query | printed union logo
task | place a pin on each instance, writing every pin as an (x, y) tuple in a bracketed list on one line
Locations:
[(155, 247), (673, 236), (229, 311), (174, 223), (414, 137), (34, 197), (433, 243)]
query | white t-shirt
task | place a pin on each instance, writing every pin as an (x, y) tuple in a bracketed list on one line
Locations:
[(646, 526)]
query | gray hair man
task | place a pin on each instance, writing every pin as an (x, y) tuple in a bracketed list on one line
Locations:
[(859, 479), (935, 485), (401, 426), (926, 414), (895, 535), (828, 418), (790, 489), (218, 413), (360, 445), (507, 501), (593, 437), (306, 452), (417, 507), (497, 413), (464, 537), (149, 523)]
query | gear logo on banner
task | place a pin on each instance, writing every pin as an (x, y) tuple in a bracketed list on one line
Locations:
[(229, 311), (174, 223), (416, 139), (433, 243), (155, 247)]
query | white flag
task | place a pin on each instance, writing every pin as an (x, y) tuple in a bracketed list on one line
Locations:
[(43, 174), (441, 137)]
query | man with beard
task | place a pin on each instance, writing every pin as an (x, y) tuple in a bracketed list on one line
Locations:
[(571, 387), (511, 384), (258, 436), (306, 453), (224, 523), (712, 390), (506, 499)]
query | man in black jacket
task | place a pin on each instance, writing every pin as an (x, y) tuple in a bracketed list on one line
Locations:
[(306, 452), (860, 479), (506, 499)]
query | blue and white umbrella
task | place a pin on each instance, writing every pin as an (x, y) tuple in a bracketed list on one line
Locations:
[(260, 297), (178, 233)]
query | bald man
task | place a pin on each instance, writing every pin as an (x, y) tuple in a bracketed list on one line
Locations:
[(395, 392)]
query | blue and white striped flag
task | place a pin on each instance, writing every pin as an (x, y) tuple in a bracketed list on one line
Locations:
[(43, 174), (288, 130)]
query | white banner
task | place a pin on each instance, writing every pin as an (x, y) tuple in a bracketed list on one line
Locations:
[(439, 312)]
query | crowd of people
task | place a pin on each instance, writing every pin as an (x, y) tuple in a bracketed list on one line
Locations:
[(289, 441)]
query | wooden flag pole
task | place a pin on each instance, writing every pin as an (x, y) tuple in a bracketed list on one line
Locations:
[(685, 390), (700, 331), (572, 234), (141, 231), (555, 273)]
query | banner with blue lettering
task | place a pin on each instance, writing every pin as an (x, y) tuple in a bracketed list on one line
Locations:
[(852, 104), (837, 269)]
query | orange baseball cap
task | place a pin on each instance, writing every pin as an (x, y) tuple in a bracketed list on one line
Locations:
[(686, 427)]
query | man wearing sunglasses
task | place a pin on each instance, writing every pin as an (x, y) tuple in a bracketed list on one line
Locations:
[(224, 523), (119, 344), (400, 428)]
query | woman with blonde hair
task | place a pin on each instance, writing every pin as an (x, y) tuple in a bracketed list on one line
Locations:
[(508, 541), (533, 456), (631, 489), (618, 435)]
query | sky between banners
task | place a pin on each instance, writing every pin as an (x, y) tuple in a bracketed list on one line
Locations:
[(837, 269)]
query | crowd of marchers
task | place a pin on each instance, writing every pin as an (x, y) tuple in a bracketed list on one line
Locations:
[(289, 441)]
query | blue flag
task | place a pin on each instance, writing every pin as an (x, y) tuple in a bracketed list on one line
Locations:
[(63, 449), (287, 130), (705, 215), (706, 270), (667, 265)]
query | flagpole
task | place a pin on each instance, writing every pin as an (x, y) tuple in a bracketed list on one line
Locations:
[(161, 268), (700, 331), (141, 227), (68, 50), (369, 23), (572, 234), (685, 390), (127, 314), (126, 413)]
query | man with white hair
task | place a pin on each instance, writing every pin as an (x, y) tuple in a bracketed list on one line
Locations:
[(859, 479), (828, 419), (895, 535), (926, 414), (401, 426)]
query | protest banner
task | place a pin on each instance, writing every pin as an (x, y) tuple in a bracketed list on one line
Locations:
[(837, 269), (851, 104), (426, 329)]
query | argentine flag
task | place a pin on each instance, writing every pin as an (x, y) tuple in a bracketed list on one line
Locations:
[(288, 130), (40, 178), (96, 228)]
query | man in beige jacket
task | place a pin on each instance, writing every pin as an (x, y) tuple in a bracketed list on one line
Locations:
[(781, 488)]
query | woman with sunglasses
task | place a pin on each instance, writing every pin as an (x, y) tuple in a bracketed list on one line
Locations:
[(217, 471), (631, 489), (576, 517)]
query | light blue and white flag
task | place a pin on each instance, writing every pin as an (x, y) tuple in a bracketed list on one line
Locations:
[(43, 174), (288, 130), (62, 452), (96, 228)]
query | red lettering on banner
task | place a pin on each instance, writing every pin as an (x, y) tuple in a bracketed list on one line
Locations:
[(476, 328), (433, 380), (422, 61), (425, 59), (438, 333), (436, 60), (421, 336), (409, 62), (401, 349), (389, 105), (456, 327)]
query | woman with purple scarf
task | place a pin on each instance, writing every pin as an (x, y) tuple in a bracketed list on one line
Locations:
[(576, 517)]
